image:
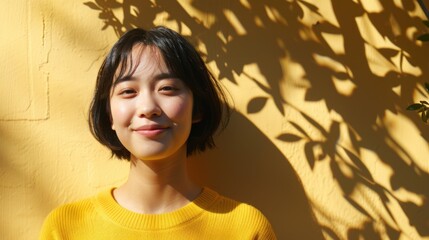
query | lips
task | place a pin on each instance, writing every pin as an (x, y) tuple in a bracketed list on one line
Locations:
[(151, 131)]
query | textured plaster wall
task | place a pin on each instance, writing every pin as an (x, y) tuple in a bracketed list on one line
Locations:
[(318, 140)]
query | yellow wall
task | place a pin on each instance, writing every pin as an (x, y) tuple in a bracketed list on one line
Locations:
[(318, 125)]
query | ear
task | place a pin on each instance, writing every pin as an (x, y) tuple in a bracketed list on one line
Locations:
[(111, 123), (196, 118), (196, 115)]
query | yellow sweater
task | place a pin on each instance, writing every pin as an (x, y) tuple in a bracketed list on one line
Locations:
[(210, 216)]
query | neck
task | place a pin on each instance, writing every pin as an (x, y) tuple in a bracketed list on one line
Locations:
[(157, 186)]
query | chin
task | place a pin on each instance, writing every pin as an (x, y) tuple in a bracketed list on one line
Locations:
[(158, 154)]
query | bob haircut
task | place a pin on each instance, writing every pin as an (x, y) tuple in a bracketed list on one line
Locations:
[(184, 62)]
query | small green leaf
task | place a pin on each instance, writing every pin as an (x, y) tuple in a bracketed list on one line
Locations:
[(427, 87), (414, 107), (423, 37)]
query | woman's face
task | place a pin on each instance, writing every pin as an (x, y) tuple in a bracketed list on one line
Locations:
[(151, 110)]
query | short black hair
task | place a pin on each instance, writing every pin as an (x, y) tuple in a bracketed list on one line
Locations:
[(210, 102)]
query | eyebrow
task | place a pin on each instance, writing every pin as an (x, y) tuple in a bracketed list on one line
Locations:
[(157, 77)]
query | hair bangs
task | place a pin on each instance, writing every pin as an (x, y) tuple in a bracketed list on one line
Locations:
[(128, 62)]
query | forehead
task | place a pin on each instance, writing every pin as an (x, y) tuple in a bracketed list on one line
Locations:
[(142, 59)]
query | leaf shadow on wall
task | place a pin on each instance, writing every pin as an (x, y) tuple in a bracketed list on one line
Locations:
[(264, 33), (374, 96), (363, 111), (247, 167)]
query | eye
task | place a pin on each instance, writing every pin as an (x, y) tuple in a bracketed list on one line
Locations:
[(127, 92), (168, 89)]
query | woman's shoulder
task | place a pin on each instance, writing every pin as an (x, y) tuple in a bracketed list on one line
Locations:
[(242, 215), (228, 205), (72, 218), (73, 208), (69, 213)]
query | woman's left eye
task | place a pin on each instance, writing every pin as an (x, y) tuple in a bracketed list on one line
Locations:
[(168, 89)]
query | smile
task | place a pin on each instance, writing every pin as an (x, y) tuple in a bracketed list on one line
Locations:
[(151, 131)]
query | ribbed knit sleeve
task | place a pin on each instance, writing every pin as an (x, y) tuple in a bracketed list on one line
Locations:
[(68, 219), (48, 231), (262, 228), (251, 222)]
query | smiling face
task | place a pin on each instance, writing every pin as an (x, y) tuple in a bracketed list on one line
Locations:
[(151, 110)]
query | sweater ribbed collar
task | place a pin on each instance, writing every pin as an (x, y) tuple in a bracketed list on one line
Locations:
[(106, 205)]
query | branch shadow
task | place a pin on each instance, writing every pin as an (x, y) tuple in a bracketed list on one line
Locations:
[(372, 98), (236, 34)]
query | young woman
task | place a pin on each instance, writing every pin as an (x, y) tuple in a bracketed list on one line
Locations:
[(156, 103)]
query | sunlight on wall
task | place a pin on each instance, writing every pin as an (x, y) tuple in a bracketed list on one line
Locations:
[(22, 63), (318, 122)]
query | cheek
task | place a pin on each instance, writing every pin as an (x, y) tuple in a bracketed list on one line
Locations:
[(119, 113), (182, 107), (180, 110)]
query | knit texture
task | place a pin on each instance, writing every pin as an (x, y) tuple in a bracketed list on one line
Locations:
[(210, 216)]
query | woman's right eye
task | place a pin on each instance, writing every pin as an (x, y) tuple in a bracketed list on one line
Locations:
[(127, 92)]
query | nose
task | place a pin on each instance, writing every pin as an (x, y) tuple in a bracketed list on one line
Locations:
[(147, 106)]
